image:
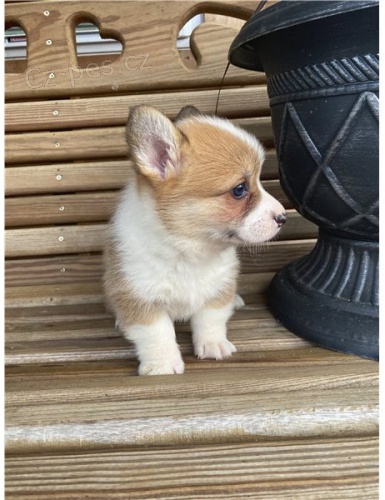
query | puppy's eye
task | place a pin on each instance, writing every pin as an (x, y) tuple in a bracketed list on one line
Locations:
[(240, 191)]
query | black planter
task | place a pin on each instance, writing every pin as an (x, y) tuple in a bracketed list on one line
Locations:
[(321, 62)]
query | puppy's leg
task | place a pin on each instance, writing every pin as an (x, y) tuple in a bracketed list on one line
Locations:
[(150, 329), (156, 347), (209, 328)]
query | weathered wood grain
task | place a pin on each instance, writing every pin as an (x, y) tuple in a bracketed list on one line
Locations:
[(338, 469), (170, 421), (93, 143), (103, 142), (81, 207), (86, 268), (60, 209), (230, 377), (66, 177), (245, 101), (55, 240), (64, 344), (90, 176), (82, 238), (91, 292)]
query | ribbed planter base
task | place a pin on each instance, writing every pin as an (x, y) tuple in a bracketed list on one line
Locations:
[(334, 293)]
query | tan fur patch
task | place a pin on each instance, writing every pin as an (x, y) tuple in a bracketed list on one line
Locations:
[(225, 298), (121, 299)]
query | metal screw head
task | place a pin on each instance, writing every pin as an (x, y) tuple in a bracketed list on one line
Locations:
[(59, 177), (57, 144), (46, 13), (63, 270), (48, 42), (55, 112), (51, 75), (61, 208), (61, 238)]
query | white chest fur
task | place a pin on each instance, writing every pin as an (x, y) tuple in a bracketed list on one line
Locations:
[(157, 269)]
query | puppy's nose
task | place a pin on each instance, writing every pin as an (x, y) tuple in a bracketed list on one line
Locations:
[(280, 219)]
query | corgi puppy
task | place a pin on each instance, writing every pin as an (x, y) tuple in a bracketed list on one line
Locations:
[(193, 196)]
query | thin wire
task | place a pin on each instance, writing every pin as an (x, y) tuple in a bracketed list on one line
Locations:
[(220, 87), (258, 9)]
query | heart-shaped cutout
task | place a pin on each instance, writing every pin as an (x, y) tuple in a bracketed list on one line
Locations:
[(188, 54), (94, 48), (15, 48)]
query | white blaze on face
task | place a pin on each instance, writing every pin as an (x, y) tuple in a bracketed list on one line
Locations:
[(260, 224)]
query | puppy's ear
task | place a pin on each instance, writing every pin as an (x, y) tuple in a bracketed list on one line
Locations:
[(187, 112), (154, 143)]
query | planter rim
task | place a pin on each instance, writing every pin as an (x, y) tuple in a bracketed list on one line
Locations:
[(282, 15)]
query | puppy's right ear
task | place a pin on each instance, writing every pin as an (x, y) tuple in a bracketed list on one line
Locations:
[(154, 143)]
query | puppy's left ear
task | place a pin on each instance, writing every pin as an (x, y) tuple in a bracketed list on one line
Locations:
[(155, 143), (187, 112)]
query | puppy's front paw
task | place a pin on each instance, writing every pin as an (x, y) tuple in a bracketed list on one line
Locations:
[(161, 367), (214, 350)]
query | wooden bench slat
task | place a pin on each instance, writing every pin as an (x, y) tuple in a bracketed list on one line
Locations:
[(252, 344), (86, 268), (83, 238), (60, 209), (30, 342), (91, 292), (87, 333), (104, 142), (64, 114), (93, 143), (294, 469), (89, 176), (124, 422), (82, 207), (54, 240), (269, 378)]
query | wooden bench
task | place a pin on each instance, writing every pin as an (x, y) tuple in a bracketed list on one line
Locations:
[(281, 419)]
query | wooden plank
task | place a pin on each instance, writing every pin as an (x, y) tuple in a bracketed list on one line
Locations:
[(81, 207), (60, 209), (68, 341), (83, 238), (308, 368), (245, 101), (274, 255), (252, 314), (104, 142), (93, 175), (230, 380), (90, 176), (148, 32), (93, 143), (121, 421), (53, 270), (91, 292), (55, 240), (337, 468), (88, 268)]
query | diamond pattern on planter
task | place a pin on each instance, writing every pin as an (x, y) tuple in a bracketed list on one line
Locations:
[(332, 169)]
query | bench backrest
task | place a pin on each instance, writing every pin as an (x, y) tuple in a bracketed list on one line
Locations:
[(66, 154)]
